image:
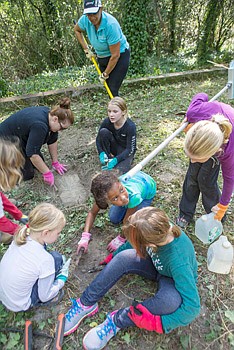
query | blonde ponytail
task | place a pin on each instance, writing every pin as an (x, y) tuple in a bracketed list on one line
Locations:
[(20, 237), (224, 124), (206, 137)]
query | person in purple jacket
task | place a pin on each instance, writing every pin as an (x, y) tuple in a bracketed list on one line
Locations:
[(209, 143)]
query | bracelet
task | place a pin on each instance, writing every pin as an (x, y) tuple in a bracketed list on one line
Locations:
[(105, 75)]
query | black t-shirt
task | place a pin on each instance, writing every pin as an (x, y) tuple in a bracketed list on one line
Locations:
[(125, 137), (31, 126)]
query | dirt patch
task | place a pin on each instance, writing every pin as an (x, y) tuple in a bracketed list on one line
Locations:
[(212, 330)]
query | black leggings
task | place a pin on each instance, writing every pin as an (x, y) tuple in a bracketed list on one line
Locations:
[(200, 178), (118, 74)]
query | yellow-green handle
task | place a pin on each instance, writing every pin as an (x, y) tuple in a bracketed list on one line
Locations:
[(99, 72)]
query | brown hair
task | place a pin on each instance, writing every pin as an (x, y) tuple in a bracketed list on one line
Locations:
[(63, 111), (101, 185), (44, 216), (147, 227), (11, 162)]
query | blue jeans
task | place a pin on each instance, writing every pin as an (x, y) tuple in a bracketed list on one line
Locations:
[(165, 301), (58, 262), (117, 214)]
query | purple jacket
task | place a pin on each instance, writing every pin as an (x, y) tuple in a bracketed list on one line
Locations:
[(201, 109)]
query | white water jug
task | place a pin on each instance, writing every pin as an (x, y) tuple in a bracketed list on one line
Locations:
[(207, 229), (220, 256)]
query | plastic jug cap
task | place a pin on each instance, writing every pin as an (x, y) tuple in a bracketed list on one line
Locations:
[(225, 242), (204, 218)]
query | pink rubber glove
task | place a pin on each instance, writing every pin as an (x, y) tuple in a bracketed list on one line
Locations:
[(143, 318), (107, 259), (60, 168), (49, 178), (116, 243), (84, 242)]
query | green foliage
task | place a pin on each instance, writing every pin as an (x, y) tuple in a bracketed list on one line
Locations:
[(134, 27), (53, 80), (3, 87), (153, 109)]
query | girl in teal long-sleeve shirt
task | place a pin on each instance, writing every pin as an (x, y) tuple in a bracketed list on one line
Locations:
[(160, 252)]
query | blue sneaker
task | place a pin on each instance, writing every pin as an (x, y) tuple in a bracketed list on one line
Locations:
[(76, 314), (98, 337)]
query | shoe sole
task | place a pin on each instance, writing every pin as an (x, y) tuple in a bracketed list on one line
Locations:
[(93, 312)]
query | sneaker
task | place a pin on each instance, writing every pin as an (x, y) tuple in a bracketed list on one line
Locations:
[(182, 222), (76, 314), (51, 302), (98, 337)]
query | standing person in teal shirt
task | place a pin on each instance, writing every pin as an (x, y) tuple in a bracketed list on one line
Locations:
[(162, 253), (125, 197), (108, 41)]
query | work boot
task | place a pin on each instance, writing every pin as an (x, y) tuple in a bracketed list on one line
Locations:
[(76, 314), (99, 336)]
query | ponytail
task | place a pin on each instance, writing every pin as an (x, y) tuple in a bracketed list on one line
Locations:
[(206, 137), (224, 125), (63, 111), (20, 237)]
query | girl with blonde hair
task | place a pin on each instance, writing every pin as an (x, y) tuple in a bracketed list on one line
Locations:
[(116, 138), (11, 162), (160, 252), (209, 144), (29, 274)]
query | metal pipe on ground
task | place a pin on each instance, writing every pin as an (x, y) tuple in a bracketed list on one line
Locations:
[(150, 156)]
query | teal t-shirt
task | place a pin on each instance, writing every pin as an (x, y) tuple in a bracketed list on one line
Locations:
[(178, 261), (108, 33), (139, 187)]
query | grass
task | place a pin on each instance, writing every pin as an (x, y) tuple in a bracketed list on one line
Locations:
[(153, 109)]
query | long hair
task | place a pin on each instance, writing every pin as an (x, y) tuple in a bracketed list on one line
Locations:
[(63, 111), (206, 137), (11, 162), (148, 227), (101, 184), (44, 216)]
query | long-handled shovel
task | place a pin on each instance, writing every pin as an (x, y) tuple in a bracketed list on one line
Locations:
[(97, 68), (140, 165)]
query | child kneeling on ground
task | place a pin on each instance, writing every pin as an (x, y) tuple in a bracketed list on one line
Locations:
[(161, 252), (30, 275), (124, 198)]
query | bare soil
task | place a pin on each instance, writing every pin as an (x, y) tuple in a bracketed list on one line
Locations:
[(155, 120)]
